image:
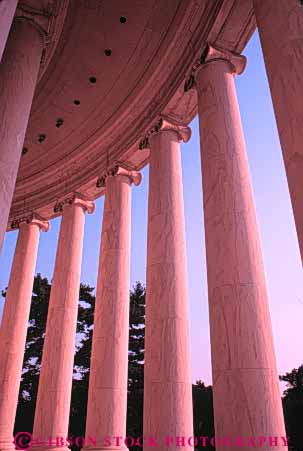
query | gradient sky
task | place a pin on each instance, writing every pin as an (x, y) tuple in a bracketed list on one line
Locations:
[(275, 218)]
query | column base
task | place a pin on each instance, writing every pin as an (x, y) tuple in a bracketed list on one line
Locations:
[(7, 444)]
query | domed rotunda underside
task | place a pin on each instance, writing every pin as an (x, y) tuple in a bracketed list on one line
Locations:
[(109, 72), (91, 91)]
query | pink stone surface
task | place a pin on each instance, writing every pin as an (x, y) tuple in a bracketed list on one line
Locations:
[(144, 77), (7, 11), (107, 399), (280, 25), (18, 75), (167, 377), (246, 394), (245, 382), (54, 391), (14, 326)]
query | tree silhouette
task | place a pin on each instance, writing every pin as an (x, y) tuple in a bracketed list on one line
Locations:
[(33, 357), (79, 396), (202, 394), (33, 354), (134, 425), (293, 407), (34, 346), (203, 413)]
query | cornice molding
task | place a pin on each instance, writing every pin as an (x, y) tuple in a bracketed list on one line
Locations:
[(135, 177), (183, 132), (79, 168)]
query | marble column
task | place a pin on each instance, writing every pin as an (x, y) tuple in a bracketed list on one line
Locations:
[(55, 383), (282, 22), (18, 77), (107, 397), (246, 393), (14, 324), (7, 11), (167, 369)]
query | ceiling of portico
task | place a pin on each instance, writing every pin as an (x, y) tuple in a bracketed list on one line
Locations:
[(116, 66)]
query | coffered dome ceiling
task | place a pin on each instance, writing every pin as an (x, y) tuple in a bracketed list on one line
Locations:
[(111, 68)]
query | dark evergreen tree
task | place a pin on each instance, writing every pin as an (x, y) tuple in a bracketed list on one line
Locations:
[(34, 347), (203, 412), (79, 397), (33, 357), (136, 361), (33, 354), (202, 394), (293, 407), (136, 337)]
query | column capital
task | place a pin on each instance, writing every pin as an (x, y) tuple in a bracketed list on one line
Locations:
[(75, 199), (135, 177), (211, 54), (39, 19), (33, 218), (183, 132)]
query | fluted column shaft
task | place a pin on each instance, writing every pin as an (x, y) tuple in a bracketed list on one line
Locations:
[(282, 22), (7, 11), (14, 325), (167, 369), (55, 383), (107, 398), (18, 77), (247, 400)]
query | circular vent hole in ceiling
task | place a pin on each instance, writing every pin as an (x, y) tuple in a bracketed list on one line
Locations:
[(41, 138), (59, 122)]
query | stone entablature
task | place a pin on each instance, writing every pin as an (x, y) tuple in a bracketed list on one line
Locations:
[(71, 159)]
